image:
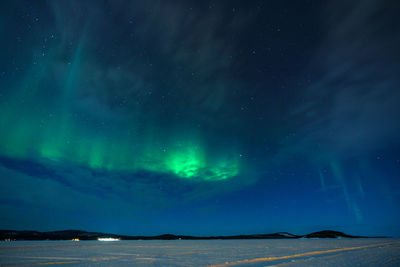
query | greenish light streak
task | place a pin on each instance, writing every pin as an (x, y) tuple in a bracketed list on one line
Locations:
[(190, 163), (186, 163)]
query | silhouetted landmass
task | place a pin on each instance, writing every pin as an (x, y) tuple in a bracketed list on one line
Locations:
[(329, 234), (83, 235)]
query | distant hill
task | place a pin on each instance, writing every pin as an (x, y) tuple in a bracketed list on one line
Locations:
[(83, 235), (329, 234)]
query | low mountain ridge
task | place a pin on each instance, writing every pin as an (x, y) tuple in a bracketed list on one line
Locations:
[(83, 235)]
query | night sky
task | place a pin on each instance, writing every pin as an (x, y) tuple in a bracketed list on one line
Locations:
[(200, 117)]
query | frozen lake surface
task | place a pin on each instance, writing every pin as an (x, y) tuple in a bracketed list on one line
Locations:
[(299, 252)]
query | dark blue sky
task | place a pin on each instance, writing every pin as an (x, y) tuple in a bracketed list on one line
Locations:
[(200, 117)]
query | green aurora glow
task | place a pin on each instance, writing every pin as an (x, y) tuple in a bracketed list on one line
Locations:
[(66, 142), (53, 130)]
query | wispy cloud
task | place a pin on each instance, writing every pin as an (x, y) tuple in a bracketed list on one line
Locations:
[(350, 103)]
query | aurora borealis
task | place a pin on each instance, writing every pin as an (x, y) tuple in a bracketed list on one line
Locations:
[(52, 128), (200, 117), (58, 127)]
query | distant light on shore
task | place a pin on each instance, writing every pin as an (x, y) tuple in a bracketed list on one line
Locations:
[(107, 239)]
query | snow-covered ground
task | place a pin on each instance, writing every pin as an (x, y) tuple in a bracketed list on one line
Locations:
[(299, 252)]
